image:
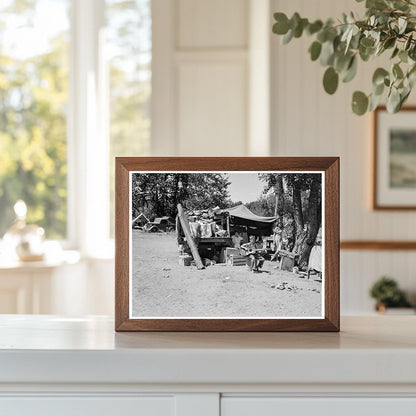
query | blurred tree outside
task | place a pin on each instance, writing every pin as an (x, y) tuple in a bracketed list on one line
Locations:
[(129, 52), (33, 100), (34, 73)]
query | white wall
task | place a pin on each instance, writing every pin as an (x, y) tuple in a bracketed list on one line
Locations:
[(200, 77)]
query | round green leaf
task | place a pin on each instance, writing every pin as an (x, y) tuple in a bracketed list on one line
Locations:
[(378, 90), (395, 52), (315, 50), (327, 54), (404, 96), (351, 71), (341, 61), (359, 103), (281, 27), (379, 75), (330, 80), (408, 42), (322, 36), (403, 56), (298, 30), (389, 43), (294, 20), (366, 53), (288, 37), (367, 42), (397, 71), (314, 27), (374, 102), (393, 101)]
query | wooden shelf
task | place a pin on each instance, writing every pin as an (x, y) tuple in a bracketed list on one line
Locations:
[(378, 245)]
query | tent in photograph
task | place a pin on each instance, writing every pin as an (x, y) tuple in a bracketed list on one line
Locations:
[(241, 216)]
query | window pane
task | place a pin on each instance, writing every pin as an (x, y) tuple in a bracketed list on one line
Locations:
[(34, 37), (129, 46)]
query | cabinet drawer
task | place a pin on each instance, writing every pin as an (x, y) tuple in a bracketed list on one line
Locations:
[(273, 406), (87, 406)]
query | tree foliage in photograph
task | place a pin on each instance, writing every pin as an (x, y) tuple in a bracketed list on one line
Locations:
[(263, 206), (157, 194), (302, 200), (389, 27)]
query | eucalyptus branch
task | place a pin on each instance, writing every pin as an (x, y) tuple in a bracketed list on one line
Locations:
[(388, 25)]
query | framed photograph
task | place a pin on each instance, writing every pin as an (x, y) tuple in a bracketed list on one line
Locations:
[(227, 244), (394, 179)]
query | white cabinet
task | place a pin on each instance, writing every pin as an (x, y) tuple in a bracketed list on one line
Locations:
[(88, 406), (268, 406), (80, 366)]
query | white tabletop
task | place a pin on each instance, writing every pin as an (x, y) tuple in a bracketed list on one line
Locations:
[(376, 349)]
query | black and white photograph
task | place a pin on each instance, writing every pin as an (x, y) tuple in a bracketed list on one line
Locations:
[(226, 245)]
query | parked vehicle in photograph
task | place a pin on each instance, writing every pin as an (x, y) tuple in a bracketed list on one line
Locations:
[(160, 224)]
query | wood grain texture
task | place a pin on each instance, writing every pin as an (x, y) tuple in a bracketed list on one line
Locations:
[(121, 244), (329, 165), (331, 248), (376, 205), (378, 245)]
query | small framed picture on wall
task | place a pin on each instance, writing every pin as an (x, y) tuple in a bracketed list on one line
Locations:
[(394, 159)]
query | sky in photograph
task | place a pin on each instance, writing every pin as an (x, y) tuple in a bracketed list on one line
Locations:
[(245, 187)]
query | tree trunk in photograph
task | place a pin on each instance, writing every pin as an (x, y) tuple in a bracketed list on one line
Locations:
[(278, 189), (314, 222), (297, 211), (189, 239)]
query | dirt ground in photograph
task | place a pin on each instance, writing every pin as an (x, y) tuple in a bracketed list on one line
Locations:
[(163, 287)]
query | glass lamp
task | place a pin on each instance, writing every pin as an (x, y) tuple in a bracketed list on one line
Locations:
[(25, 241)]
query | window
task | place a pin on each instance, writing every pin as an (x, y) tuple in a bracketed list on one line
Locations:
[(33, 103), (75, 87), (129, 43)]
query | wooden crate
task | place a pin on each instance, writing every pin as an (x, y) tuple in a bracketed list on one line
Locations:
[(236, 260), (230, 250), (287, 260)]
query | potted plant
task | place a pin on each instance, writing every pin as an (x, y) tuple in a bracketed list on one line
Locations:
[(387, 294), (389, 27)]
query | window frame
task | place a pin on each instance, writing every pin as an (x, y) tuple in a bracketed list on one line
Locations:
[(87, 133), (88, 138)]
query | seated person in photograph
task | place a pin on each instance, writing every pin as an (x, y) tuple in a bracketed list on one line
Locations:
[(254, 252), (237, 239)]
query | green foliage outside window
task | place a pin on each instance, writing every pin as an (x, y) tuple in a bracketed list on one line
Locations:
[(33, 99), (34, 82), (129, 39)]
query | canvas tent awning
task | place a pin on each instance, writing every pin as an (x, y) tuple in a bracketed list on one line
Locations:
[(242, 212), (242, 216)]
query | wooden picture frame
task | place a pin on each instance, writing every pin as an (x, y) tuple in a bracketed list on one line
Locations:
[(326, 167), (391, 178)]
